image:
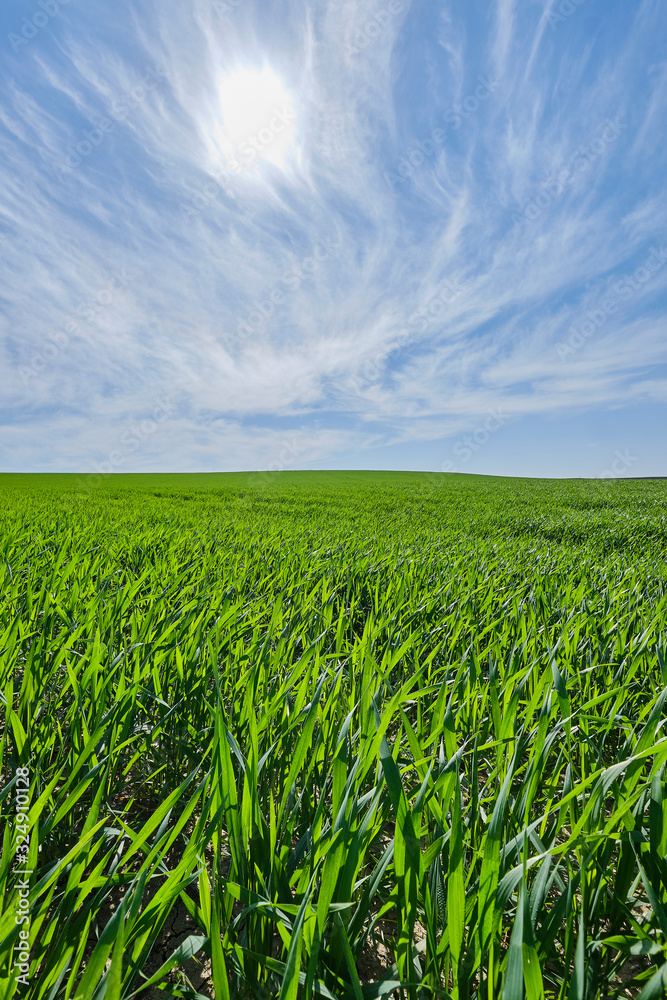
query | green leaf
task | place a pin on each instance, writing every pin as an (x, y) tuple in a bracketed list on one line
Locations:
[(455, 883), (186, 950), (513, 978)]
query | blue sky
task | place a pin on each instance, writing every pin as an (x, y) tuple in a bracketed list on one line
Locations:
[(391, 234)]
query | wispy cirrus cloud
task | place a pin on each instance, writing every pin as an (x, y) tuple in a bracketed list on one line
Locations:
[(269, 266)]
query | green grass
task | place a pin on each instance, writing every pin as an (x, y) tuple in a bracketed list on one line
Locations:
[(349, 721)]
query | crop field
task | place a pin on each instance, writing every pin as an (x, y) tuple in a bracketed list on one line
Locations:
[(342, 735)]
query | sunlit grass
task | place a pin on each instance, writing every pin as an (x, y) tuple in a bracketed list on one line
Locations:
[(320, 709)]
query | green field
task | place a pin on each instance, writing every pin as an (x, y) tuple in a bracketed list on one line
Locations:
[(335, 734)]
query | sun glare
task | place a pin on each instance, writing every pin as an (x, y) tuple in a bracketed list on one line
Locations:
[(256, 119)]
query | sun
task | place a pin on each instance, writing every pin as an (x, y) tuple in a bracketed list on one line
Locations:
[(256, 119)]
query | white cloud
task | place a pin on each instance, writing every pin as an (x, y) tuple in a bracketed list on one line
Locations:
[(337, 258)]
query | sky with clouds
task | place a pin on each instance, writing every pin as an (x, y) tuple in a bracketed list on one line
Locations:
[(333, 234)]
